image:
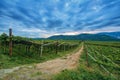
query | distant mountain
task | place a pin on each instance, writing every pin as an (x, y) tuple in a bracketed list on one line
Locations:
[(95, 37), (112, 34), (104, 36), (38, 38)]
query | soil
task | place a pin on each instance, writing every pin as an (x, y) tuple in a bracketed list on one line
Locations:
[(45, 70)]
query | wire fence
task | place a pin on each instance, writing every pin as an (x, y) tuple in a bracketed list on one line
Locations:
[(91, 53)]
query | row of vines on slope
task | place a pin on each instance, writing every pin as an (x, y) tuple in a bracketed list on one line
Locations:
[(105, 56), (26, 46)]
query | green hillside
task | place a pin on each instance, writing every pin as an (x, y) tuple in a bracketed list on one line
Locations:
[(94, 37)]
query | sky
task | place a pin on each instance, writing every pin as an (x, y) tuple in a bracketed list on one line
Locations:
[(44, 18)]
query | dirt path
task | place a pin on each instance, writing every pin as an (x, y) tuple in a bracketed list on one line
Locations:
[(44, 71)]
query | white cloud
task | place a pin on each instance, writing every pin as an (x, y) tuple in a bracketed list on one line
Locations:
[(67, 4), (33, 30), (108, 29), (105, 29)]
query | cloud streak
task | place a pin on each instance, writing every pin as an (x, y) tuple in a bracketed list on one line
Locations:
[(48, 17)]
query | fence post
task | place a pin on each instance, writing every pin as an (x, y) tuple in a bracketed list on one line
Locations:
[(41, 48), (64, 47), (87, 63), (57, 47), (10, 42)]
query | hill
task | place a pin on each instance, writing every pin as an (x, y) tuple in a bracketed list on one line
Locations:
[(94, 37), (112, 34)]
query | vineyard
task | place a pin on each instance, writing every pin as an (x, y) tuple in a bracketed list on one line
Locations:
[(106, 56), (100, 61), (25, 51)]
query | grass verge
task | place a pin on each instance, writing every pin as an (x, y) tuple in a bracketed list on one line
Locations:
[(82, 72), (18, 60)]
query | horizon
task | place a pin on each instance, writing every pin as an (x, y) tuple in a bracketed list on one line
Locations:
[(67, 34), (45, 18)]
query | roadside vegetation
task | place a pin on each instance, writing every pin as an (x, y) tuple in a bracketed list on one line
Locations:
[(28, 51), (89, 69), (99, 60)]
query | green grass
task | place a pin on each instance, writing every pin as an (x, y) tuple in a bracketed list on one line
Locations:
[(36, 74), (82, 72), (105, 43), (21, 59)]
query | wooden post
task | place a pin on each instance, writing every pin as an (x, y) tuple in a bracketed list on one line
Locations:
[(87, 63), (41, 48), (26, 49), (56, 47), (29, 49), (64, 47), (10, 42)]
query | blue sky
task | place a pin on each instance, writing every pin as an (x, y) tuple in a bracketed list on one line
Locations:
[(43, 18)]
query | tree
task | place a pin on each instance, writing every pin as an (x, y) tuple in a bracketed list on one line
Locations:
[(3, 41), (3, 38)]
